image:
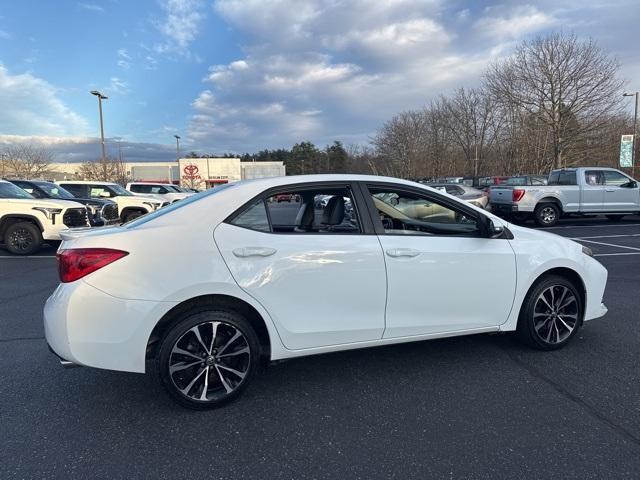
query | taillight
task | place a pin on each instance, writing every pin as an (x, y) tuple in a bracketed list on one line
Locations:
[(517, 194), (76, 263)]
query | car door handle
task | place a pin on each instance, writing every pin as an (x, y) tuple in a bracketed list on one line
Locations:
[(610, 190), (403, 252), (245, 252)]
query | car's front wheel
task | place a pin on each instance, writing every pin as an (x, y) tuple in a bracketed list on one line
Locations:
[(551, 313), (208, 358), (23, 238)]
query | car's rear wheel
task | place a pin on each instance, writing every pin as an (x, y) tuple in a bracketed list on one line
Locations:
[(547, 214), (208, 358), (23, 238), (551, 313)]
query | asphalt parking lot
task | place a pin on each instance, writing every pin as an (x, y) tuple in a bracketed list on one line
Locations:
[(469, 407)]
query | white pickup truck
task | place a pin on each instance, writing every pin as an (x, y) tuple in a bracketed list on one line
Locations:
[(583, 191), (27, 222)]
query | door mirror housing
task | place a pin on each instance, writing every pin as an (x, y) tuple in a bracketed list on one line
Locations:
[(630, 184), (492, 229)]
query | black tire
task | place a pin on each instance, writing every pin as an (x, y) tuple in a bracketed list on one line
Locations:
[(614, 218), (532, 323), (23, 238), (131, 215), (547, 214), (182, 337)]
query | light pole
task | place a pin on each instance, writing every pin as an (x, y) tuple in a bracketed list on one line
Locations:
[(100, 98), (635, 133), (177, 146)]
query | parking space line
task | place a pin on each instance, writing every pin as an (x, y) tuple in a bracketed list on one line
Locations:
[(594, 226), (611, 245), (607, 236)]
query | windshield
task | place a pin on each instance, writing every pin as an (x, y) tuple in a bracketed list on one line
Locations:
[(54, 191), (174, 206), (9, 190), (120, 190)]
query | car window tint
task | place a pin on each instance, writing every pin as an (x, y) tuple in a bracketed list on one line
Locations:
[(76, 190), (593, 177), (254, 218), (326, 210), (615, 178), (410, 213), (563, 177)]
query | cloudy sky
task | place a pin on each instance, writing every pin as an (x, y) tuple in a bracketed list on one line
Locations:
[(243, 75)]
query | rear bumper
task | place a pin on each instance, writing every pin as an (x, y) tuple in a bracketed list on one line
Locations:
[(85, 326), (504, 208)]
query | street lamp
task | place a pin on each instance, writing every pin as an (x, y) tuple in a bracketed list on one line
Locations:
[(635, 133), (177, 137), (100, 98)]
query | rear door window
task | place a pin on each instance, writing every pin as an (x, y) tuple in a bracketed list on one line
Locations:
[(563, 177)]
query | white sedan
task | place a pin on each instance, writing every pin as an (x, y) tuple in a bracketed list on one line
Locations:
[(254, 280)]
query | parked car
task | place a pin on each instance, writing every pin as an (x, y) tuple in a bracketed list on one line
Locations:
[(469, 194), (245, 288), (161, 191), (27, 222), (584, 191), (485, 183), (130, 206), (284, 197), (522, 180), (101, 211)]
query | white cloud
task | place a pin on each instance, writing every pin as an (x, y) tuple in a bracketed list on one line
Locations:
[(92, 7), (180, 26), (124, 59), (32, 106), (117, 86), (513, 23), (329, 70), (5, 35)]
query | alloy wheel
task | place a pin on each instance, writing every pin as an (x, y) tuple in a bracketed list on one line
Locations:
[(555, 314), (209, 361), (21, 239), (548, 215)]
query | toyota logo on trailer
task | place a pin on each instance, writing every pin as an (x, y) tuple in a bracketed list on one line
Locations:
[(191, 171)]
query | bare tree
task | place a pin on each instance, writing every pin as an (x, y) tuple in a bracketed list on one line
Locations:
[(471, 120), (108, 170), (569, 85), (401, 143), (26, 161)]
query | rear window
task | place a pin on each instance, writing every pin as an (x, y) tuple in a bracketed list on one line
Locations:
[(176, 205), (563, 177), (516, 181)]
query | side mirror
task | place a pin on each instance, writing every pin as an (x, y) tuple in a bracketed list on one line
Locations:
[(494, 230), (630, 184)]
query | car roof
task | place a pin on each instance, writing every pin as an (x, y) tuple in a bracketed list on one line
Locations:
[(87, 182)]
